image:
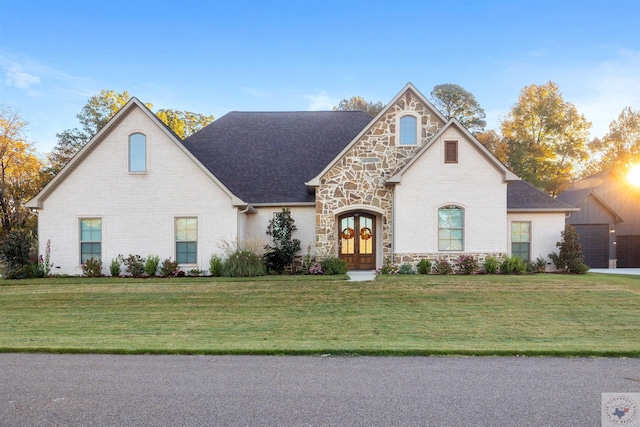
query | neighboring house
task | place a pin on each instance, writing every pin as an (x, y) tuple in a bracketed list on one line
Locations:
[(405, 185), (608, 222)]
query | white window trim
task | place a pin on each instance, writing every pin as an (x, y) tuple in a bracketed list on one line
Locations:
[(146, 153), (464, 227), (175, 239), (530, 237), (79, 236), (398, 132)]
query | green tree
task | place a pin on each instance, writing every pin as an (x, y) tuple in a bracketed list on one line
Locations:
[(620, 147), (455, 102), (20, 171), (358, 103), (285, 247), (184, 123), (545, 137)]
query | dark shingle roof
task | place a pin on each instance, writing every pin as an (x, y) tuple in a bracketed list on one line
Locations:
[(266, 157), (523, 196), (581, 189)]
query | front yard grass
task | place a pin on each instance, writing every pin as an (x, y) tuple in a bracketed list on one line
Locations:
[(545, 314)]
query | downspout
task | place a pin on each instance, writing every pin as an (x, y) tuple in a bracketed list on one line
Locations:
[(246, 209)]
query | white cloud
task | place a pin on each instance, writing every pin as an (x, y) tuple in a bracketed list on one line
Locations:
[(611, 86), (321, 101), (18, 78)]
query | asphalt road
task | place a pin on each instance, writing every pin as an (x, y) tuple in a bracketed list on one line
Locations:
[(107, 390)]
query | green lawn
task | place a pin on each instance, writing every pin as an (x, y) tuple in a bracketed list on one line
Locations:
[(548, 314)]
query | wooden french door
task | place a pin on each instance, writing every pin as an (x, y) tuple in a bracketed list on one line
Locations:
[(357, 237)]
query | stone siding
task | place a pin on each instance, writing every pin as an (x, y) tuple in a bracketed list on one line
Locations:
[(359, 177)]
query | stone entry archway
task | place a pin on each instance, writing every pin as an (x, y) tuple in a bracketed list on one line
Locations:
[(357, 240)]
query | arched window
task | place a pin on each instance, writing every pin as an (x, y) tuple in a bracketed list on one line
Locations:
[(137, 152), (408, 130), (450, 228)]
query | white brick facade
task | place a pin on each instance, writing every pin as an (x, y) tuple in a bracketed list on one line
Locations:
[(138, 211), (545, 233)]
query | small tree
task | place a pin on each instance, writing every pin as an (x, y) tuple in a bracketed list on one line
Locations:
[(283, 251), (15, 250), (570, 257)]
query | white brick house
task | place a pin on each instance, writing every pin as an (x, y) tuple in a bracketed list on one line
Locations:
[(405, 185)]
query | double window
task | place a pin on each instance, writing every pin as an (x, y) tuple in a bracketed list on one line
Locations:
[(521, 240), (450, 228), (187, 240), (137, 152), (90, 239)]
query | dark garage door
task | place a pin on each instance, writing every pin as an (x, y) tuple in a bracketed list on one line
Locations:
[(628, 251), (594, 239)]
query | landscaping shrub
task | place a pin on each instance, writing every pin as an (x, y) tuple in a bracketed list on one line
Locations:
[(195, 272), (114, 267), (15, 250), (388, 268), (92, 268), (134, 265), (424, 266), (490, 265), (570, 257), (442, 267), (466, 264), (540, 265), (406, 269), (282, 253), (316, 269), (215, 266), (243, 263), (168, 268), (334, 265), (151, 265), (513, 265)]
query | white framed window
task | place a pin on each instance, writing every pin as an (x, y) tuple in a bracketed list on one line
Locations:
[(90, 239), (187, 240), (137, 152), (521, 239), (408, 130), (450, 228)]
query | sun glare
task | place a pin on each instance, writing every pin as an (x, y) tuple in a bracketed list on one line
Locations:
[(634, 175)]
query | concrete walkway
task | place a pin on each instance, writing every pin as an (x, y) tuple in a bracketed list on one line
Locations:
[(361, 276), (633, 271)]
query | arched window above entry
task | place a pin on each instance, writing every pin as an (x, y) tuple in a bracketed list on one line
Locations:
[(408, 130)]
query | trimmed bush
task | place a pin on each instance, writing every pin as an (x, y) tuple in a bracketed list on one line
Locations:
[(168, 268), (424, 266), (134, 265), (406, 269), (513, 265), (114, 267), (490, 265), (215, 266), (92, 268), (442, 267), (334, 265), (466, 264), (151, 265)]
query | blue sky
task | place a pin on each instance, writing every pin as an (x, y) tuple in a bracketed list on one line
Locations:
[(214, 57)]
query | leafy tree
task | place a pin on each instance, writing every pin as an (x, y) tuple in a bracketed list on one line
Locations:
[(546, 138), (184, 123), (100, 109), (620, 147), (455, 102), (570, 257), (494, 143), (283, 251), (20, 177), (358, 103), (15, 250)]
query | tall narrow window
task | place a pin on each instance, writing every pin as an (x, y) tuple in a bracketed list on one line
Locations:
[(408, 130), (450, 228), (187, 240), (137, 152), (521, 240), (90, 239), (451, 151)]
